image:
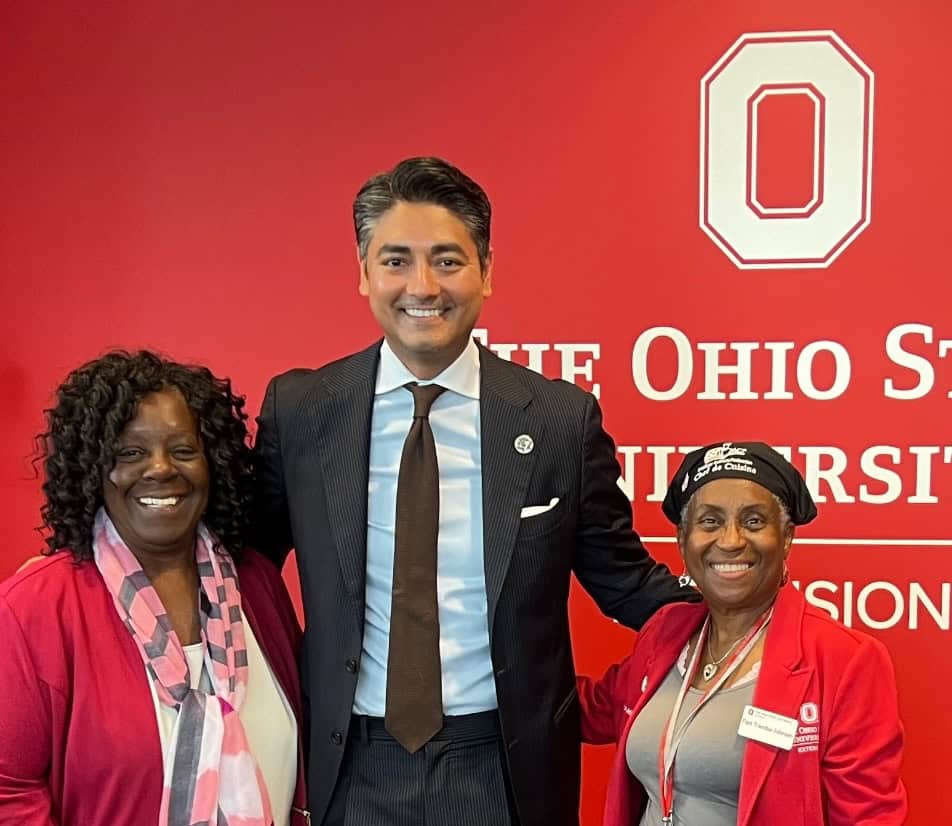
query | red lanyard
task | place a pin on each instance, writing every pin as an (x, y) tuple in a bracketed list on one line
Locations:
[(670, 740)]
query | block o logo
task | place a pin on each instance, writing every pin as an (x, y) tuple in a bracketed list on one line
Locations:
[(767, 203), (809, 713)]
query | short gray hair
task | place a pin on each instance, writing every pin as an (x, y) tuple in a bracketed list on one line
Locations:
[(424, 181)]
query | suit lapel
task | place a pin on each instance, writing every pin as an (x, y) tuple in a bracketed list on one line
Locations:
[(341, 419), (504, 411), (346, 401), (781, 686)]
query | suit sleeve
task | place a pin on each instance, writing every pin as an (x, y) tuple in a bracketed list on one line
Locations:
[(863, 755), (610, 562), (271, 524), (25, 731)]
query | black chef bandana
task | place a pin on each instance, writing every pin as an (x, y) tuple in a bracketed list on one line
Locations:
[(755, 461)]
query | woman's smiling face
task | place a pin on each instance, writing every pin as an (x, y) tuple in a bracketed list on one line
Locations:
[(157, 490), (734, 543)]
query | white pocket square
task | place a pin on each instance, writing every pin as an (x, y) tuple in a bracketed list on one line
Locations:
[(535, 510)]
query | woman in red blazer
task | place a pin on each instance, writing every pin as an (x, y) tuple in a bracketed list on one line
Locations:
[(149, 673), (751, 708)]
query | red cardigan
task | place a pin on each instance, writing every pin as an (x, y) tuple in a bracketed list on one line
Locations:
[(837, 682), (79, 741)]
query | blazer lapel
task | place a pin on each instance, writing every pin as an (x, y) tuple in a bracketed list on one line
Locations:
[(504, 415), (781, 686), (622, 802), (343, 433)]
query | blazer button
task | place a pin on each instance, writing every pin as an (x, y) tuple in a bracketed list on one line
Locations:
[(351, 665), (337, 737)]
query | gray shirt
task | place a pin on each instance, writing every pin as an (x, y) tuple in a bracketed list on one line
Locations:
[(708, 763)]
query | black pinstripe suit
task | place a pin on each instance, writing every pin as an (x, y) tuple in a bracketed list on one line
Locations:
[(312, 464)]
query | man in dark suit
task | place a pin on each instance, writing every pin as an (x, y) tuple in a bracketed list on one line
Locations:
[(436, 538)]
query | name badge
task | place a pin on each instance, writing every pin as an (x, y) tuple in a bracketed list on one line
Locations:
[(767, 727)]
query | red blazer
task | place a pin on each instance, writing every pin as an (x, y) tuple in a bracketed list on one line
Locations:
[(844, 767), (79, 742)]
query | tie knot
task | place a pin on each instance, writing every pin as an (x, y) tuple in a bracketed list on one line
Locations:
[(423, 397)]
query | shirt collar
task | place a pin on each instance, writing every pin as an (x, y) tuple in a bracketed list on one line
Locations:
[(461, 377)]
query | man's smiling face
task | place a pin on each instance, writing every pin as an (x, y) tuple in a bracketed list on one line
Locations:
[(423, 279)]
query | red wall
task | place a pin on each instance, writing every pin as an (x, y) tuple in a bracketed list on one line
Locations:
[(179, 176)]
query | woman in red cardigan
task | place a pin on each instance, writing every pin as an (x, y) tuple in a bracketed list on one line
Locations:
[(751, 708), (149, 671)]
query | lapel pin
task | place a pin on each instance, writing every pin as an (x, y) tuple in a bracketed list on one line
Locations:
[(524, 443)]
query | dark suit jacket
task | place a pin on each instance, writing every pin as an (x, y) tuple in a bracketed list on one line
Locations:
[(312, 462)]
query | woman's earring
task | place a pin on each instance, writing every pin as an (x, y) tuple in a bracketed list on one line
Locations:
[(685, 579)]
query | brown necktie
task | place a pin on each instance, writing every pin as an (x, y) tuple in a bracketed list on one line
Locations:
[(414, 692)]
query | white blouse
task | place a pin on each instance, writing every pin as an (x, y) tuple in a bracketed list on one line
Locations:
[(266, 715)]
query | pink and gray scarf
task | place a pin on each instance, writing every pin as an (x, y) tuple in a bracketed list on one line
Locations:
[(211, 777)]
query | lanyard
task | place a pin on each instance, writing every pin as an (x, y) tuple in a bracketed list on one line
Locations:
[(671, 739)]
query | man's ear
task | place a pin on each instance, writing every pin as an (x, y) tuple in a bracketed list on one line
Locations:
[(488, 274), (363, 287)]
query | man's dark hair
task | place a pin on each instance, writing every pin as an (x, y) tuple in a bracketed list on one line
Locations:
[(424, 181), (93, 406)]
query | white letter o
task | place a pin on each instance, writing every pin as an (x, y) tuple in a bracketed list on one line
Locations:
[(811, 238)]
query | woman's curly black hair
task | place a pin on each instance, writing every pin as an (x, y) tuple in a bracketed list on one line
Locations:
[(93, 406)]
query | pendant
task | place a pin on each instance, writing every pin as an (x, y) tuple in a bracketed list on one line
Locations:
[(709, 671)]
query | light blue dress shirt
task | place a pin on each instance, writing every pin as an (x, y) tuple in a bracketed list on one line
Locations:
[(468, 685)]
